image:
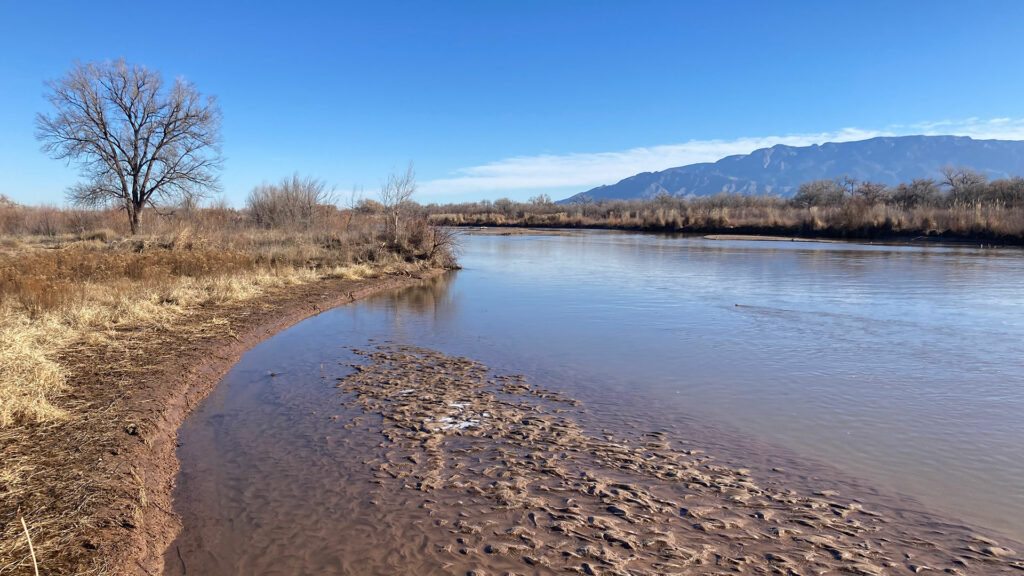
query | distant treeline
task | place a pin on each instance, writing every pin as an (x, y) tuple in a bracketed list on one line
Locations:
[(963, 205)]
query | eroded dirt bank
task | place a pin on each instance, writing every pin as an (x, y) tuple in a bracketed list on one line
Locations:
[(513, 483), (109, 472)]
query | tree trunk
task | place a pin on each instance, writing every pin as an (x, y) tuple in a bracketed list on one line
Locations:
[(133, 218)]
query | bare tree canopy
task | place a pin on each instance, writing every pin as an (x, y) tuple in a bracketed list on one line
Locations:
[(396, 191), (961, 178), (136, 143), (822, 192)]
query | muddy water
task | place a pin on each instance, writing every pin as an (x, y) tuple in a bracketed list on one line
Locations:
[(890, 378)]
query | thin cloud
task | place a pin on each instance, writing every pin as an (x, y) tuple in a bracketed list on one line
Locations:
[(582, 171)]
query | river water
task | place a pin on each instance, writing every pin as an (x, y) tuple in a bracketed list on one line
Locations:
[(894, 372)]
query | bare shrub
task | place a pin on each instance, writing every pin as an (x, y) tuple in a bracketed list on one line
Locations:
[(293, 203), (444, 246)]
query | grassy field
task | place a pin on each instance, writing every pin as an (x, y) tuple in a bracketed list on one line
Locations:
[(82, 302)]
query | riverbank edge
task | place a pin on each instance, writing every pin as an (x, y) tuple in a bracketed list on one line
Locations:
[(161, 410), (778, 233)]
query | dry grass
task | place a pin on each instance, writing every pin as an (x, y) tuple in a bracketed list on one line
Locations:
[(29, 373), (85, 290), (97, 304)]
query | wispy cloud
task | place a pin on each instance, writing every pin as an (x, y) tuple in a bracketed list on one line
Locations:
[(582, 171)]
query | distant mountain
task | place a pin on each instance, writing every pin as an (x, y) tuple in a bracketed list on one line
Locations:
[(781, 169)]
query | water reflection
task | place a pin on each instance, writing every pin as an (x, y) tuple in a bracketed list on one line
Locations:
[(432, 297)]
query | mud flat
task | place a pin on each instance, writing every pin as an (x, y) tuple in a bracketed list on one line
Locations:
[(512, 483)]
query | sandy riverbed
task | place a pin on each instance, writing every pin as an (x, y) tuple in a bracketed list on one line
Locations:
[(513, 483)]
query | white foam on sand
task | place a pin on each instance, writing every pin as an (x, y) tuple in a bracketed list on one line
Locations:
[(453, 424)]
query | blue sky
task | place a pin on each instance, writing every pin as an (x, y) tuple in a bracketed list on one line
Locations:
[(512, 99)]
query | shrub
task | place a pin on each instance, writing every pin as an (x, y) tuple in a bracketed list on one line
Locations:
[(294, 203)]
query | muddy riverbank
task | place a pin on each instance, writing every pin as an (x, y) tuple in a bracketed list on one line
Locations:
[(117, 460)]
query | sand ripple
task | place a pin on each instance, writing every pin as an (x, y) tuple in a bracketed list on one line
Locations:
[(513, 483)]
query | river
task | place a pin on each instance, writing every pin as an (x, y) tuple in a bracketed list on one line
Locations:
[(894, 372)]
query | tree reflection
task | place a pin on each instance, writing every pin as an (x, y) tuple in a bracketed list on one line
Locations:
[(431, 297)]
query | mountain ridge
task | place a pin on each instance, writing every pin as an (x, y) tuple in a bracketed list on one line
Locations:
[(780, 169)]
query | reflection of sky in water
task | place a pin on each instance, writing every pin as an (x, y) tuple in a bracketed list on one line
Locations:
[(902, 365)]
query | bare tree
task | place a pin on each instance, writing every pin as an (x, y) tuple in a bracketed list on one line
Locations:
[(352, 204), (872, 192), (355, 198), (136, 143), (847, 183), (396, 191), (506, 207), (820, 193), (920, 192), (582, 203), (961, 179)]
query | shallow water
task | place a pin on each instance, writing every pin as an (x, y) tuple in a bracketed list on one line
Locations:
[(896, 370)]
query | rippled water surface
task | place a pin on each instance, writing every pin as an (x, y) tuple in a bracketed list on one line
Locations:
[(898, 369)]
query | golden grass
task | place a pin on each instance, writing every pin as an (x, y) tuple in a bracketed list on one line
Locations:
[(29, 373), (40, 322), (70, 288)]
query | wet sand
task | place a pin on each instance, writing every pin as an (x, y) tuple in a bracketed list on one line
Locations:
[(515, 231), (504, 478), (769, 238)]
